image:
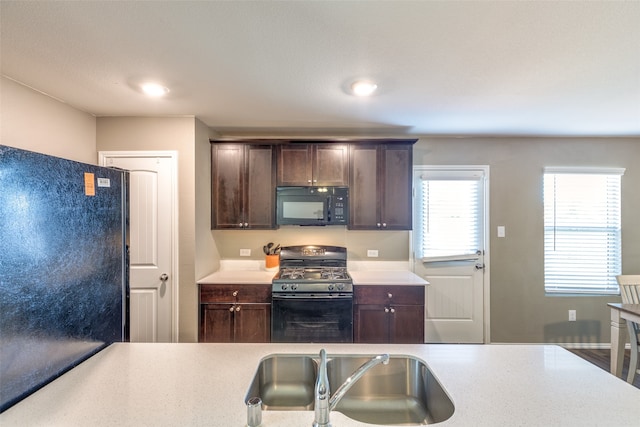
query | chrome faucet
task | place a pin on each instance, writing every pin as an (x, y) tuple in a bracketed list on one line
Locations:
[(324, 404)]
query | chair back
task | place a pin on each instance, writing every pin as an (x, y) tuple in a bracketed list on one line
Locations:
[(629, 288)]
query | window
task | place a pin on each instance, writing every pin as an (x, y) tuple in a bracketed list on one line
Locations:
[(450, 208), (582, 238)]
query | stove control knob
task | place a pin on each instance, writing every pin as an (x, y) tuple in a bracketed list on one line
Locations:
[(294, 286), (284, 287), (331, 286), (340, 286)]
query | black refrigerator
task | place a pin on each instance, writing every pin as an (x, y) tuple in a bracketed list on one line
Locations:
[(64, 270)]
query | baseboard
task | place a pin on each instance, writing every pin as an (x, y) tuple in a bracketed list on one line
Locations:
[(586, 346), (572, 345)]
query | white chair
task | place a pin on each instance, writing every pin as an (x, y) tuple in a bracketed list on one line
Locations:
[(630, 293)]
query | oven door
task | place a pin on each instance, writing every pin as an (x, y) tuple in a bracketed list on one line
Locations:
[(312, 318)]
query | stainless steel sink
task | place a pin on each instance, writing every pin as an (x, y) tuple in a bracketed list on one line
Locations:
[(403, 392), (285, 382)]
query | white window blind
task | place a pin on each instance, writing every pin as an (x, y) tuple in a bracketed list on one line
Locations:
[(582, 237), (450, 218)]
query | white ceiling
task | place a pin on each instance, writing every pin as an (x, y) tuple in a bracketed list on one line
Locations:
[(443, 67)]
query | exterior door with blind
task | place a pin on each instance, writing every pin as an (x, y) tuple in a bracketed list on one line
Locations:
[(152, 207), (450, 223)]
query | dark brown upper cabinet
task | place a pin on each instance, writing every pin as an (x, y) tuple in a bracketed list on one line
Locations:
[(313, 164), (243, 178), (380, 186)]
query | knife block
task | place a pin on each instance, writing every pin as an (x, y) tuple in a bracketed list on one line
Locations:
[(271, 261)]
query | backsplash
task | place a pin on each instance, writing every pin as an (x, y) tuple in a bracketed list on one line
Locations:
[(259, 265), (391, 245)]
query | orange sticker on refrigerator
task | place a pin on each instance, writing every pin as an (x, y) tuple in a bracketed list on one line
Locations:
[(89, 184)]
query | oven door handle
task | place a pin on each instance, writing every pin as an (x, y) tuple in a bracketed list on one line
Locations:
[(284, 297)]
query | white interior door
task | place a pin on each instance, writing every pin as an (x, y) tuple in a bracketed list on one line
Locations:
[(450, 251), (153, 296)]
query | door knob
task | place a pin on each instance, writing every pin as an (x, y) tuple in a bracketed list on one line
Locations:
[(479, 266), (164, 277)]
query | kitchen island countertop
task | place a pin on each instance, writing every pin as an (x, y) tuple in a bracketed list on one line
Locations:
[(137, 384)]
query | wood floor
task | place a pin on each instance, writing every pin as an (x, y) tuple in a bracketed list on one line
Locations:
[(602, 359)]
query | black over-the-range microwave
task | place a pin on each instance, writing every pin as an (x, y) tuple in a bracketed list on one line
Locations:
[(312, 205)]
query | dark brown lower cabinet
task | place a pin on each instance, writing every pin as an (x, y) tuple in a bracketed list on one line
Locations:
[(388, 314), (235, 313)]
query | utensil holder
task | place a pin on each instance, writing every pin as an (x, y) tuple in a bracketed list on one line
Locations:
[(272, 261)]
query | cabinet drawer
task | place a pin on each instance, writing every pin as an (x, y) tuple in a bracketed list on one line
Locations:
[(393, 294), (235, 293)]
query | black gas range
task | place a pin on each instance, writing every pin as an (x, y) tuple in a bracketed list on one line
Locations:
[(312, 296)]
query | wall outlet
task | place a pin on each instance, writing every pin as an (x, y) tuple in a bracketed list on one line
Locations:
[(572, 315), (502, 232), (372, 253), (245, 252)]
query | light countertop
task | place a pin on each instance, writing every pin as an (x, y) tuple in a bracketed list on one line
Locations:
[(239, 277), (386, 277), (205, 385), (360, 275)]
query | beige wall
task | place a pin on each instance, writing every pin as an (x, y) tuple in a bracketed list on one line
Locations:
[(391, 245), (36, 122), (520, 311), (144, 133)]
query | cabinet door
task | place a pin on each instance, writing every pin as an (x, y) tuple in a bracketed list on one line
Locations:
[(294, 165), (216, 323), (371, 323), (259, 195), (406, 324), (227, 174), (252, 323), (396, 172), (330, 164), (363, 188)]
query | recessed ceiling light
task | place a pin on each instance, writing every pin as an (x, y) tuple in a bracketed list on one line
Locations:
[(155, 90), (363, 88)]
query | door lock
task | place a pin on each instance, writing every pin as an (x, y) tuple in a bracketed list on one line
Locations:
[(164, 277)]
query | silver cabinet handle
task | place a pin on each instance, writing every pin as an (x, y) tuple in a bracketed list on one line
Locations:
[(164, 277), (384, 225), (235, 293), (386, 310), (393, 310), (231, 308), (390, 295), (240, 225), (246, 224), (379, 225), (238, 308)]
